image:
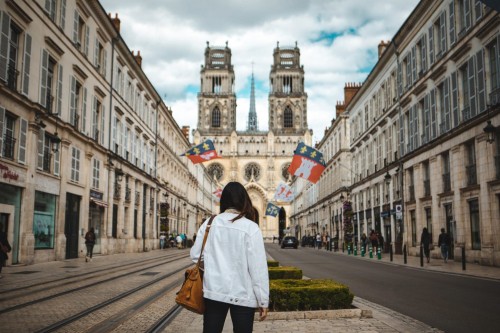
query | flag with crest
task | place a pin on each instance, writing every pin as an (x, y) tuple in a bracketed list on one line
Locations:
[(217, 193), (203, 152), (272, 209), (307, 163), (284, 193)]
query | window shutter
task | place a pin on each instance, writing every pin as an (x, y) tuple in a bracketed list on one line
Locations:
[(41, 144), (96, 52), (124, 140), (94, 119), (87, 40), (113, 132), (472, 87), (59, 92), (23, 129), (468, 14), (57, 162), (400, 80), (76, 21), (4, 44), (481, 91), (410, 129), (103, 117), (427, 119), (424, 53), (442, 28), (447, 105), (83, 127), (43, 77), (478, 10), (26, 64), (415, 127), (431, 45), (433, 113), (72, 102), (453, 36), (454, 98), (401, 135), (2, 122), (414, 63), (104, 64), (48, 5), (62, 15)]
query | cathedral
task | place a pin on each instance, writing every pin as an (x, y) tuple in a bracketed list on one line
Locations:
[(257, 159)]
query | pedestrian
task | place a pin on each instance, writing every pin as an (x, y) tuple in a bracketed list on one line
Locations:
[(4, 249), (380, 241), (425, 241), (162, 241), (236, 277), (318, 240), (444, 243), (89, 243), (364, 241), (178, 239), (374, 240)]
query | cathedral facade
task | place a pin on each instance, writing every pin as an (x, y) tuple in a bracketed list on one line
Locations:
[(257, 159)]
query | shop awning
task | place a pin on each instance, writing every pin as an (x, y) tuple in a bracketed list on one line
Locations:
[(99, 202)]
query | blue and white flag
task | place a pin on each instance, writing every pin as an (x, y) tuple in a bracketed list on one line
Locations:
[(284, 193), (272, 209)]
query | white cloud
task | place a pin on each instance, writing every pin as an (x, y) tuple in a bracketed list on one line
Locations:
[(338, 40)]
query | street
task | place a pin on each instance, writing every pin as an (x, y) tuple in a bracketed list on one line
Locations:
[(449, 302)]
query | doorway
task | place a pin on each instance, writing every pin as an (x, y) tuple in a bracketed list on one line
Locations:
[(450, 228), (72, 224)]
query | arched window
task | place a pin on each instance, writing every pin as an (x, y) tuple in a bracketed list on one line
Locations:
[(288, 118), (216, 117)]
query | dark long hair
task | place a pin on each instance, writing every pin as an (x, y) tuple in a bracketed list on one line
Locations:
[(235, 196)]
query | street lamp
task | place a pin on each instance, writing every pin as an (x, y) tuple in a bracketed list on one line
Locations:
[(490, 132), (387, 178)]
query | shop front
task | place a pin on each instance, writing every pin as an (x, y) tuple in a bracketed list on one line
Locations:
[(10, 217), (97, 213)]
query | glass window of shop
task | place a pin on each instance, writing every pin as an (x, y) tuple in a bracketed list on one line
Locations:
[(44, 220)]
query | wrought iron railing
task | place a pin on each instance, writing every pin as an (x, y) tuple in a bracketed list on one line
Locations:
[(12, 74), (47, 157), (411, 188), (128, 194), (471, 174), (466, 113), (446, 182), (427, 188), (137, 198)]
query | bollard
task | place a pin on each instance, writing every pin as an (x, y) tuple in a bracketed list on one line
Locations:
[(379, 253), (371, 252), (463, 258), (355, 250), (363, 250), (421, 256), (404, 254), (349, 249), (331, 245), (390, 252)]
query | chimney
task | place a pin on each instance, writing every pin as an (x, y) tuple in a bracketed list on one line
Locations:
[(138, 58), (350, 90), (339, 109), (116, 21), (382, 46), (185, 131)]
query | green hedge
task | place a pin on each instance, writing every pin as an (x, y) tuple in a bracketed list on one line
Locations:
[(284, 272), (304, 295), (273, 263)]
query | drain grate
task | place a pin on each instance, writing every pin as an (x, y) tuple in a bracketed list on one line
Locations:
[(26, 272), (150, 273)]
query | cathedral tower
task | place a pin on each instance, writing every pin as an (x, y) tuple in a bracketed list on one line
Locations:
[(287, 98), (217, 100), (253, 125)]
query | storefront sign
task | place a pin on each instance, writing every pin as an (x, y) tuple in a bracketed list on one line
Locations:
[(8, 174), (96, 195)]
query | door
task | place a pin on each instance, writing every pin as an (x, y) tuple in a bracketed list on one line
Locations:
[(450, 228), (388, 235), (72, 224)]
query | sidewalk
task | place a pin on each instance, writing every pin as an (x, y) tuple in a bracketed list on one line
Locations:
[(377, 318)]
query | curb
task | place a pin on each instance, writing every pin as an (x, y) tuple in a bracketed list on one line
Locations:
[(318, 314)]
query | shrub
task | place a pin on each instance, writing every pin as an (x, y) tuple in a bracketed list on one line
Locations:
[(273, 263), (284, 272), (303, 295)]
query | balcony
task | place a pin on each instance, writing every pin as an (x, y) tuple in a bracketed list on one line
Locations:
[(411, 189), (12, 74), (471, 174), (75, 120), (427, 188), (494, 97), (446, 182), (118, 190), (9, 145), (128, 194), (95, 135)]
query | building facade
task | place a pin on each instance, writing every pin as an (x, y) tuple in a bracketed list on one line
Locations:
[(257, 159), (81, 131), (424, 139)]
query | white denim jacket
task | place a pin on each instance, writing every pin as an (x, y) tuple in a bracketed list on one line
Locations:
[(235, 262)]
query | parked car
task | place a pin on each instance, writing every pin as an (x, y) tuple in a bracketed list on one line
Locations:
[(289, 241)]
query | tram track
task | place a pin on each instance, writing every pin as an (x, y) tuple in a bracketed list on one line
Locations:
[(127, 272)]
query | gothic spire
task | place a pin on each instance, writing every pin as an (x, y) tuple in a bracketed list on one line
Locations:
[(252, 125)]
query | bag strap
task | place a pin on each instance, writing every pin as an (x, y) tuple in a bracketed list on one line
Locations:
[(205, 238)]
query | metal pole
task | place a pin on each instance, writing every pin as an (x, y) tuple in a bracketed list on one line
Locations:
[(421, 256), (390, 252), (463, 258), (404, 255)]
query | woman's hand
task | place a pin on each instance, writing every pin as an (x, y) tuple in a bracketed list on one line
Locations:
[(263, 313)]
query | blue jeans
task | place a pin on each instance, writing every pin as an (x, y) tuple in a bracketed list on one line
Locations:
[(444, 252), (216, 313)]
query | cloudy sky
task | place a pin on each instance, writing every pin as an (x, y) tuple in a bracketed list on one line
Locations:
[(337, 38)]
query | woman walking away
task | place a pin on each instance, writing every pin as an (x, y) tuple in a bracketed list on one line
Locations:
[(89, 242), (235, 277), (425, 241)]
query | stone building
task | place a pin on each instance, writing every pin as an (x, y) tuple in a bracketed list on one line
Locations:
[(257, 159), (81, 131), (424, 138)]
